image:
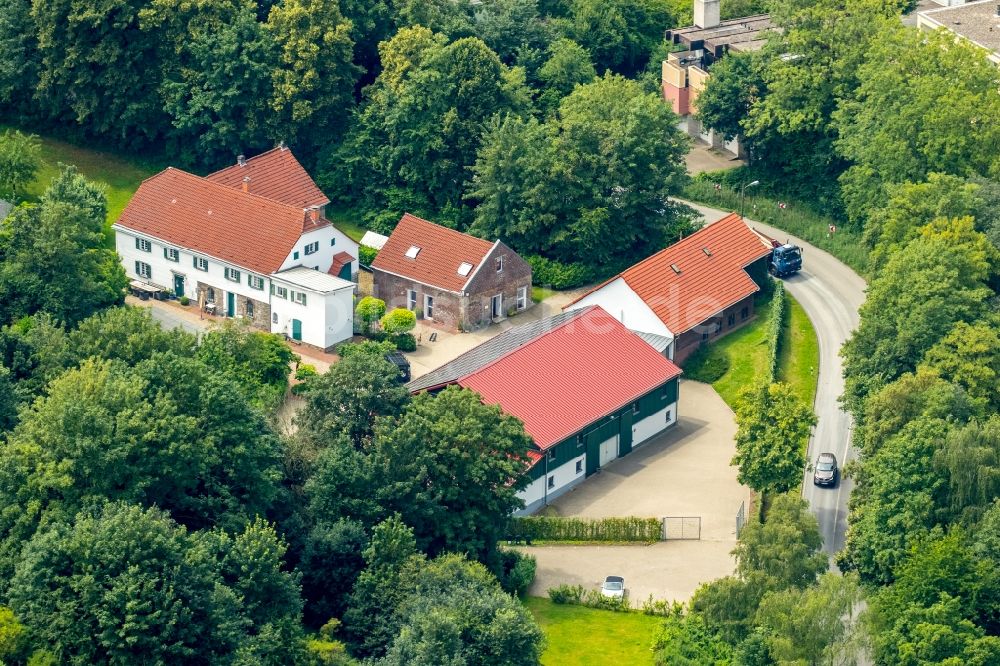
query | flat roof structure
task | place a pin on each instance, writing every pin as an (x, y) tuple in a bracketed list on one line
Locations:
[(977, 22), (739, 34)]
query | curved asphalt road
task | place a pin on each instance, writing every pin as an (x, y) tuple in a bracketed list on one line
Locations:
[(831, 294)]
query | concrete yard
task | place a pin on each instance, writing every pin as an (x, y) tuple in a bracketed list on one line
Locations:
[(683, 472)]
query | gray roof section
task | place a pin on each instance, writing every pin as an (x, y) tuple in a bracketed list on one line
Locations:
[(657, 342), (978, 22), (489, 351)]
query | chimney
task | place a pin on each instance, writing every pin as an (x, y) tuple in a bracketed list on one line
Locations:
[(312, 214), (246, 183), (706, 13), (241, 160), (281, 145)]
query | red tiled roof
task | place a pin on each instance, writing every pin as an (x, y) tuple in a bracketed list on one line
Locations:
[(708, 281), (339, 260), (571, 376), (275, 175), (244, 229), (442, 251)]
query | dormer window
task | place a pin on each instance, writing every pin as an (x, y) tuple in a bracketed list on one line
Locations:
[(464, 269), (413, 252)]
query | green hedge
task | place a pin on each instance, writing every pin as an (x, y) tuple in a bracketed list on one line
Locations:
[(366, 255), (554, 528), (779, 303), (557, 275)]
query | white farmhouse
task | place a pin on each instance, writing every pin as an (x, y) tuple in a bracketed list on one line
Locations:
[(250, 241)]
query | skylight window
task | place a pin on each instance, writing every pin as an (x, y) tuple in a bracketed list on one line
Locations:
[(413, 252), (464, 269), (676, 268), (708, 253)]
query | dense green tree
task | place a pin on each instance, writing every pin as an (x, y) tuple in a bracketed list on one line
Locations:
[(896, 500), (127, 334), (813, 625), (11, 634), (568, 65), (905, 121), (19, 57), (454, 612), (619, 34), (986, 539), (53, 258), (372, 22), (786, 547), (126, 585), (259, 362), (421, 126), (218, 102), (8, 402), (94, 68), (452, 468), (923, 291), (510, 27), (341, 485), (371, 619), (313, 80), (771, 439), (781, 553), (35, 350), (168, 432), (737, 82), (921, 395), (971, 458), (20, 160), (604, 166), (910, 206), (684, 640), (348, 399), (330, 564)]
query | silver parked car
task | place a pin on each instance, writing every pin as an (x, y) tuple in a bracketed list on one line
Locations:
[(613, 587)]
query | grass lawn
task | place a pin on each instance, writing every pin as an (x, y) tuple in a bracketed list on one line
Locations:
[(746, 349), (119, 175), (347, 221), (539, 294), (798, 356), (581, 635)]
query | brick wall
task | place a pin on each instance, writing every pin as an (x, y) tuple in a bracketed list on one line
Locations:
[(392, 289), (487, 283), (731, 319), (261, 311)]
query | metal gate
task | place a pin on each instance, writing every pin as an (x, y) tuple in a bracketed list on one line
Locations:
[(682, 527)]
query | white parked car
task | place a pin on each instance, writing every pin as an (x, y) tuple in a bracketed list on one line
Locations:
[(613, 587)]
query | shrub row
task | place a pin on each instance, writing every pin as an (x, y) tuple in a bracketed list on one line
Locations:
[(779, 303), (575, 594), (557, 275), (555, 528)]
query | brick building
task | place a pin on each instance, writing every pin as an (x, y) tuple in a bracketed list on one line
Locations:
[(696, 290), (453, 279)]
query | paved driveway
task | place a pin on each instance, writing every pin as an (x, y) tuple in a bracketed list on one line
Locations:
[(683, 472)]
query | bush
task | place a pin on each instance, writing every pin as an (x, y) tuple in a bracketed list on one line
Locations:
[(184, 300), (368, 311), (555, 528), (366, 255), (405, 342), (517, 571), (305, 370), (659, 607), (557, 275), (566, 594), (400, 320), (708, 364)]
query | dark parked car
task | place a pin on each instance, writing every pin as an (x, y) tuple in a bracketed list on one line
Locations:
[(826, 472), (401, 364)]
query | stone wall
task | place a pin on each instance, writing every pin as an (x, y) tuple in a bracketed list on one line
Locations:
[(261, 310)]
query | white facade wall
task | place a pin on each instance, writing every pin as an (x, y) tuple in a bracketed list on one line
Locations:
[(326, 318), (653, 424), (331, 241), (618, 300), (564, 477), (163, 270)]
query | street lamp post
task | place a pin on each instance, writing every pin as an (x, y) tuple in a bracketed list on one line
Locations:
[(743, 195)]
